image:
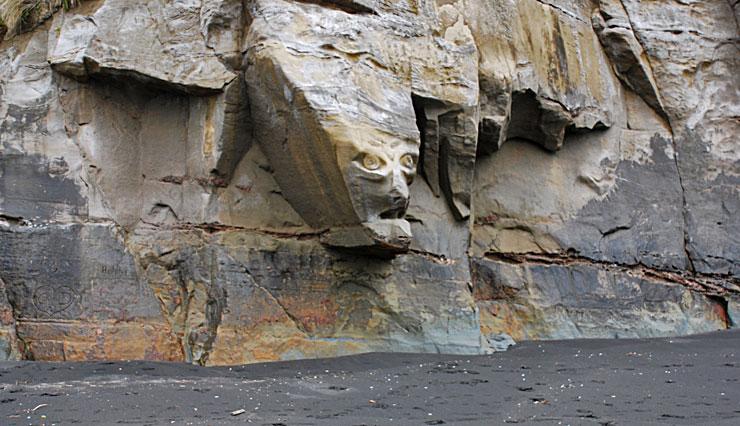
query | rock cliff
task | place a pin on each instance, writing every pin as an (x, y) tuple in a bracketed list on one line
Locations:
[(224, 181)]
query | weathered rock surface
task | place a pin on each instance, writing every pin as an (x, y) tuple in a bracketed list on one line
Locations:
[(295, 299), (8, 333), (693, 51), (542, 71), (171, 44), (76, 295), (331, 98), (222, 182), (537, 299), (632, 66)]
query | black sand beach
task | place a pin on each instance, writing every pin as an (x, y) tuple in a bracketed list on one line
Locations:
[(688, 380)]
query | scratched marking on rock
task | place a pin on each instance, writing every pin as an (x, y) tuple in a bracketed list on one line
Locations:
[(54, 300)]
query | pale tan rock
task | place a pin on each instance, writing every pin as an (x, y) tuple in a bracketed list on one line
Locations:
[(631, 64), (547, 49), (331, 97), (157, 42)]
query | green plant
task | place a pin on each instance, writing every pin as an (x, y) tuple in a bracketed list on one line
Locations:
[(16, 13), (68, 4), (26, 12)]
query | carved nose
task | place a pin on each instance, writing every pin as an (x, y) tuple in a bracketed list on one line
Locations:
[(399, 198), (399, 187)]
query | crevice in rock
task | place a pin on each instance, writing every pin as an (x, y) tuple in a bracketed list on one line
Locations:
[(421, 169), (432, 149), (708, 284), (145, 82), (684, 208), (347, 6), (13, 220), (195, 317), (22, 347), (724, 309), (198, 338), (449, 137), (614, 230), (215, 228), (434, 257), (184, 308), (692, 32), (665, 115), (563, 11), (214, 308), (627, 55), (213, 181)]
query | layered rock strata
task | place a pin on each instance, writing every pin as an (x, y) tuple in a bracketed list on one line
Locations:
[(223, 182)]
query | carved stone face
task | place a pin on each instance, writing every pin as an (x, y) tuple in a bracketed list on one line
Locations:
[(332, 107), (378, 169)]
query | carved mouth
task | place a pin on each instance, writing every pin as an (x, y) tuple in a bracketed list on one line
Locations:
[(394, 213)]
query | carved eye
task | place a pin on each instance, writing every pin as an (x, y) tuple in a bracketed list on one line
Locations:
[(407, 161), (371, 162)]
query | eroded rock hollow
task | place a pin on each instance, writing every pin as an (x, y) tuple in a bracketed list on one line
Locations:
[(224, 182)]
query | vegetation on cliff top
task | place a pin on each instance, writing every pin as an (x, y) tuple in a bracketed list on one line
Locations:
[(17, 14)]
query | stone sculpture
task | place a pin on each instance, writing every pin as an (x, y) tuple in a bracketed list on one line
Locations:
[(332, 97)]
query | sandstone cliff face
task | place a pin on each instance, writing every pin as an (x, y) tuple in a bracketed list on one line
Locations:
[(225, 182)]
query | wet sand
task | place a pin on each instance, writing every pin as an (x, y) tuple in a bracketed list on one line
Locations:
[(689, 380)]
